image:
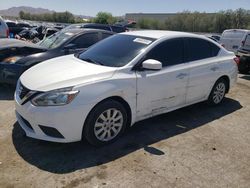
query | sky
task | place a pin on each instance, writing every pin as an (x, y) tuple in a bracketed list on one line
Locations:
[(120, 7)]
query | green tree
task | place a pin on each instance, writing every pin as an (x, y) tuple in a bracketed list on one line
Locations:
[(104, 18)]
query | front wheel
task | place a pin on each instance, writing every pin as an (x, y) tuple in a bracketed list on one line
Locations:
[(105, 123), (218, 92)]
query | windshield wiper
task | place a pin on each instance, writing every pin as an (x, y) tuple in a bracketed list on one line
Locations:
[(92, 61)]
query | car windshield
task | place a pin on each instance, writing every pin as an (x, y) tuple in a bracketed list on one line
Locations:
[(116, 51), (55, 40)]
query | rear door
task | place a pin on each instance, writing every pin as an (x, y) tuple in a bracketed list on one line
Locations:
[(204, 69)]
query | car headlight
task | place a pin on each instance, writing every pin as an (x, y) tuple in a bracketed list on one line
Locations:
[(12, 60), (57, 97)]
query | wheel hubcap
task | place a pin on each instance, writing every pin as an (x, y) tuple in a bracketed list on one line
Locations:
[(219, 93), (108, 124)]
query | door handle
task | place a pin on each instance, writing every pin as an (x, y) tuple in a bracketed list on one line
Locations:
[(182, 75), (214, 68)]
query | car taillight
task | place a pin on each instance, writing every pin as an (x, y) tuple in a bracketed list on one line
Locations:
[(7, 33), (237, 60)]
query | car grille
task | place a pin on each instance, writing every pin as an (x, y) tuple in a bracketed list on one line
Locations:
[(22, 91)]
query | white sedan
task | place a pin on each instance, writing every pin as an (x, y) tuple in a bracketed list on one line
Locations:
[(121, 80)]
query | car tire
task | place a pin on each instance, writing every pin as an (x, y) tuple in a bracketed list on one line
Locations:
[(105, 123), (218, 92), (242, 67)]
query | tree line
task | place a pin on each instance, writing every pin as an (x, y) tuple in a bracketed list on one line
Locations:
[(201, 22), (61, 17), (183, 21), (67, 17)]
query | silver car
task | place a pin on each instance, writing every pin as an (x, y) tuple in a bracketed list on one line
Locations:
[(4, 30)]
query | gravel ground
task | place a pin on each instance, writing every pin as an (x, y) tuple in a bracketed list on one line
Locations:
[(197, 146)]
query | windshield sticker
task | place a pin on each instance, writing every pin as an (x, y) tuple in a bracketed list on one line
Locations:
[(143, 41)]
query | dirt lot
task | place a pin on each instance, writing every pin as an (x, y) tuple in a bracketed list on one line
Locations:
[(198, 146)]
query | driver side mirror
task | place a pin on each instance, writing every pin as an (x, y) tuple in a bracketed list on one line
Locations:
[(151, 64)]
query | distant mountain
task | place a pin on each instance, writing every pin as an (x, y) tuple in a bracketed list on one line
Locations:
[(14, 11)]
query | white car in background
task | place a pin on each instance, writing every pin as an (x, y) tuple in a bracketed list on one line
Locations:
[(232, 39), (4, 29), (121, 80)]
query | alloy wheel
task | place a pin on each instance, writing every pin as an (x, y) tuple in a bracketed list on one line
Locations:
[(108, 125)]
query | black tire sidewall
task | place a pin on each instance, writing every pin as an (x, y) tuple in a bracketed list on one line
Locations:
[(88, 129)]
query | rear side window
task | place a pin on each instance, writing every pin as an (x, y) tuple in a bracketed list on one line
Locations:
[(198, 49), (233, 34), (168, 53), (86, 40), (247, 42)]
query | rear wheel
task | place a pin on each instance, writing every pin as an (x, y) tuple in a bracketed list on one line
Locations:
[(105, 123), (218, 92)]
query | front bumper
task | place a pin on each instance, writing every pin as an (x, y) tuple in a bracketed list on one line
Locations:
[(68, 120)]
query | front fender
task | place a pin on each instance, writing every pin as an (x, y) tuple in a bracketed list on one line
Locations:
[(94, 93)]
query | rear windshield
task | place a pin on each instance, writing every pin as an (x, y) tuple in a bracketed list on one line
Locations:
[(233, 34)]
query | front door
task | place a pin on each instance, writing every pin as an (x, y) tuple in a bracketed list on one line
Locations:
[(165, 89)]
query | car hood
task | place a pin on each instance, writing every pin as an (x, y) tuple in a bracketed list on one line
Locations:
[(64, 71), (14, 43)]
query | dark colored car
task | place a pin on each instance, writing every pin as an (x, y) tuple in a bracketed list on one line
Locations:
[(16, 56), (37, 33), (244, 54), (15, 28), (113, 28)]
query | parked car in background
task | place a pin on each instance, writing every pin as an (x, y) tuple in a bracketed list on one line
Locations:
[(212, 38), (36, 34), (16, 56), (216, 37), (4, 29), (232, 39), (15, 27), (244, 54), (121, 80), (113, 28)]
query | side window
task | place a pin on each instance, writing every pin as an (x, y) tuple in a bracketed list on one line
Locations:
[(215, 49), (106, 35), (86, 40), (168, 53), (198, 49)]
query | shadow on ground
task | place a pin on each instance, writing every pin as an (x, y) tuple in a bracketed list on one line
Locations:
[(66, 158), (6, 92), (246, 77)]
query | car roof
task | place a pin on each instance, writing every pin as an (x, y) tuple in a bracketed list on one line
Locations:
[(157, 34), (242, 30), (82, 30)]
